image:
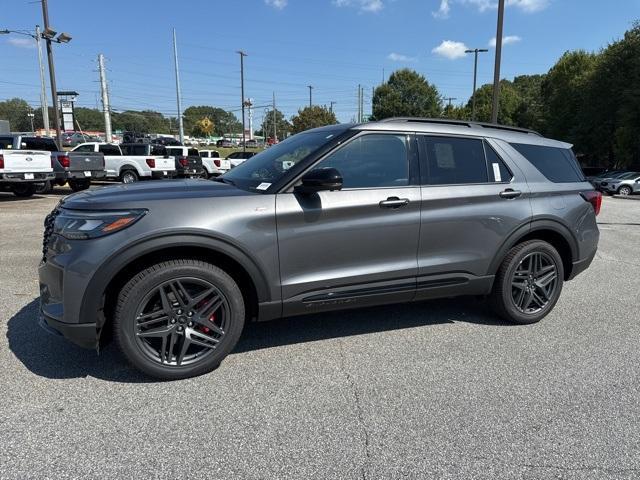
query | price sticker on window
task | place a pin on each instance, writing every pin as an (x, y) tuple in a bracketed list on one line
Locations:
[(496, 172)]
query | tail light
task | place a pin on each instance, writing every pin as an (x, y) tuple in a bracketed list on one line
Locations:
[(216, 163), (1, 161), (184, 161), (63, 160), (151, 162), (594, 198)]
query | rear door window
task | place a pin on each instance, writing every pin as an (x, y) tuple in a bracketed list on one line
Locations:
[(455, 161), (558, 165), (109, 149)]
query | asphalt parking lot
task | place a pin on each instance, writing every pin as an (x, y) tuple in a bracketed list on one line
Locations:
[(438, 389)]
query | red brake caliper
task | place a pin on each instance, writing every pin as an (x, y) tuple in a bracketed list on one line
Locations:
[(212, 319)]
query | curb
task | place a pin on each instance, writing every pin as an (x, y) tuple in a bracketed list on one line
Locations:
[(627, 197)]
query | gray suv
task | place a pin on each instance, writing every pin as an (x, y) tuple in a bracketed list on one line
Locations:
[(337, 217)]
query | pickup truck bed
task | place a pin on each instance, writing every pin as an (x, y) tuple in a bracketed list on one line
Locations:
[(22, 169)]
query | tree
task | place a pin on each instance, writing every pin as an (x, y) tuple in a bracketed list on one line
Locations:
[(88, 118), (507, 106), (408, 94), (283, 127), (312, 117), (16, 111), (530, 111), (223, 121), (130, 121)]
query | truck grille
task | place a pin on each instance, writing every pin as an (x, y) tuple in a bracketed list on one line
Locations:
[(48, 231)]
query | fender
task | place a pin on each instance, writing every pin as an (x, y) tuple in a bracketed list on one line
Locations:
[(544, 223), (92, 297), (136, 166)]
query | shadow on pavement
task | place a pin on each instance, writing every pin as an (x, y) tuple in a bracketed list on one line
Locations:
[(54, 357)]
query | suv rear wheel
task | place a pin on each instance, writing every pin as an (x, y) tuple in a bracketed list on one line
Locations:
[(179, 318), (528, 283)]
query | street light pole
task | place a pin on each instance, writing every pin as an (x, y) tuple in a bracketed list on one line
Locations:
[(242, 55), (273, 108), (52, 74), (178, 95), (31, 115), (43, 87), (310, 87), (496, 73), (475, 51)]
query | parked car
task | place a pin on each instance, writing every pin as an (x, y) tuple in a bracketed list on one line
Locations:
[(213, 164), (225, 142), (127, 168), (236, 158), (187, 162), (176, 270), (592, 172), (155, 156), (72, 139), (22, 168), (74, 168), (166, 141), (252, 143), (626, 184), (612, 174)]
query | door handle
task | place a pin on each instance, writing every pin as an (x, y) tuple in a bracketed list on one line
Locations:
[(394, 202), (510, 193)]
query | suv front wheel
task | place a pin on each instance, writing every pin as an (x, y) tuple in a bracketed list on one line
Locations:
[(528, 283), (179, 318)]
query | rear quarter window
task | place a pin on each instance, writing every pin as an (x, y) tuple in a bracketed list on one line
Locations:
[(558, 165)]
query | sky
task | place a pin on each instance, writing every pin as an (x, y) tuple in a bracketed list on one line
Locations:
[(333, 45)]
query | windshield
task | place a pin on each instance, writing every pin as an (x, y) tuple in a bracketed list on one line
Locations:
[(627, 176), (269, 166)]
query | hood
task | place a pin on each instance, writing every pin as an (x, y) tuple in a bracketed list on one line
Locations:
[(141, 194)]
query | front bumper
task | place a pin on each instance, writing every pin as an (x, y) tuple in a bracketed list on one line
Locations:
[(82, 334), (38, 177)]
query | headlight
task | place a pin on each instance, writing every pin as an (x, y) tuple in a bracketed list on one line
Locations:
[(81, 225)]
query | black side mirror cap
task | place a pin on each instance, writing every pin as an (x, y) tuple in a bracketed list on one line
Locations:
[(320, 179)]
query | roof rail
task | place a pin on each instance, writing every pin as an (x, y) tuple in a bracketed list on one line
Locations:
[(462, 123)]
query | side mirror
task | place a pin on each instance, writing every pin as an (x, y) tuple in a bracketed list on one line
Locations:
[(320, 179)]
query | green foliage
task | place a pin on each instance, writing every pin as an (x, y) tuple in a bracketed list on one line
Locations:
[(16, 111), (312, 117), (508, 105), (87, 118), (223, 121), (406, 94), (283, 127)]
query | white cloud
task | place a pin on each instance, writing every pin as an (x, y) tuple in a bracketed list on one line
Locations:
[(450, 49), (22, 42), (279, 4), (398, 57), (373, 6), (506, 40), (443, 11), (527, 6)]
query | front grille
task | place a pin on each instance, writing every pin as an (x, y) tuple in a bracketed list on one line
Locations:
[(49, 221)]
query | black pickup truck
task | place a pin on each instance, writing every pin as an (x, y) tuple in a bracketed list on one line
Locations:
[(188, 161), (75, 168)]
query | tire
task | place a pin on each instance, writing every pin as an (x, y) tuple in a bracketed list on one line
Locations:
[(79, 185), (46, 187), (24, 190), (129, 176), (624, 190), (510, 293), (155, 345)]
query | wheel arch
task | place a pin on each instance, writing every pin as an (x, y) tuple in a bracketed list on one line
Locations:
[(550, 231), (101, 293)]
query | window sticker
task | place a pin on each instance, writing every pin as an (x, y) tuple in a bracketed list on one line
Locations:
[(263, 186), (444, 155), (496, 172)]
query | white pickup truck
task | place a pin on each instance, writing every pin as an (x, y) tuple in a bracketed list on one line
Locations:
[(213, 163), (22, 169), (130, 168)]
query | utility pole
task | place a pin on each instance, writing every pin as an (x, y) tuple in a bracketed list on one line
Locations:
[(179, 101), (273, 109), (105, 100), (331, 104), (310, 87), (475, 51), (359, 117), (242, 55), (52, 73), (31, 115), (496, 73), (43, 88)]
